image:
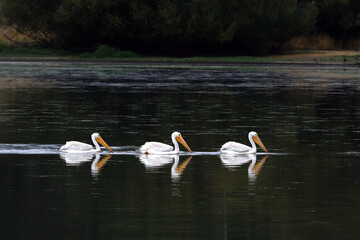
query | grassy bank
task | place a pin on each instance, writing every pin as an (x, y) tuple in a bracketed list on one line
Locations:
[(107, 53)]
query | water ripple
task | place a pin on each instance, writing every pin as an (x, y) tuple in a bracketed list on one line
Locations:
[(23, 148)]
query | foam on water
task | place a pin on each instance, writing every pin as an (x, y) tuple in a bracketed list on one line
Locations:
[(29, 148)]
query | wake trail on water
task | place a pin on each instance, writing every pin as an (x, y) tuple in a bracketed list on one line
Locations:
[(20, 148)]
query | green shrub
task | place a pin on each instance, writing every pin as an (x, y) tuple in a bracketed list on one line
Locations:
[(104, 51), (172, 27)]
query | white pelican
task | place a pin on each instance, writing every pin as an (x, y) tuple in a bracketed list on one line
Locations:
[(238, 148), (162, 148), (79, 147)]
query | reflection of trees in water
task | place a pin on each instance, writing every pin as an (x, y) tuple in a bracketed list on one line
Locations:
[(24, 83), (285, 107), (329, 119)]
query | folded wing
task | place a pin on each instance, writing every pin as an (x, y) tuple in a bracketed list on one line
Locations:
[(155, 147), (76, 146), (235, 147)]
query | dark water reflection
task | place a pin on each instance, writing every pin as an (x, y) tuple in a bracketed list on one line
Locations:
[(307, 188)]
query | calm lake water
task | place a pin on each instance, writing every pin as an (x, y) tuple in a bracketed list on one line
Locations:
[(308, 117)]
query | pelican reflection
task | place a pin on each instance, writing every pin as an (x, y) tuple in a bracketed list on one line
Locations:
[(98, 163), (176, 169), (154, 161), (254, 169), (75, 159), (236, 160)]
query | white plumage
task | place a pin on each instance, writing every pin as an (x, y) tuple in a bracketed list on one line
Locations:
[(239, 148), (76, 146), (156, 146), (80, 147), (235, 147), (162, 148)]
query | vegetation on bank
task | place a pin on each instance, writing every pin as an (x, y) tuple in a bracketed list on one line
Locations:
[(184, 28), (104, 52), (162, 27)]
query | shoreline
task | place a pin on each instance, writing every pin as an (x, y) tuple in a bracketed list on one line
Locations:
[(178, 62)]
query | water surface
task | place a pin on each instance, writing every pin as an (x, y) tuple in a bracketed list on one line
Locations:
[(307, 117)]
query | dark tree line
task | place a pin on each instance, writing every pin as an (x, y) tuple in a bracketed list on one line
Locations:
[(180, 27)]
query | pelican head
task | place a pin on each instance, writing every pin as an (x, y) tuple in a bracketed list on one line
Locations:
[(253, 136), (177, 136), (96, 137)]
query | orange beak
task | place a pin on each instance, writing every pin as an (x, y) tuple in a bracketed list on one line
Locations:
[(258, 142), (182, 141), (102, 142)]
